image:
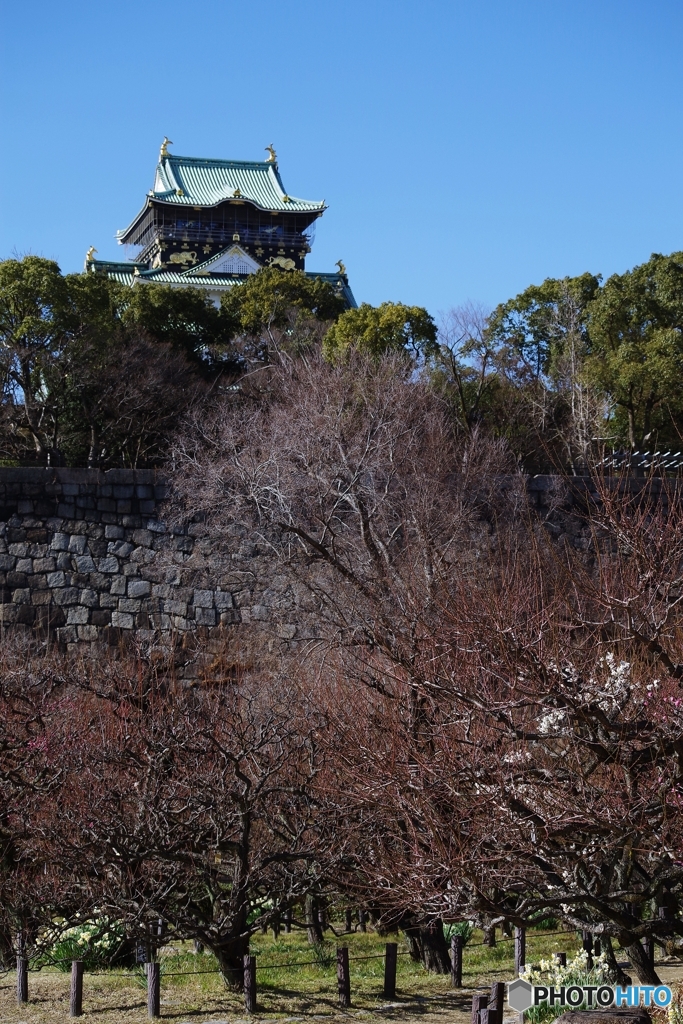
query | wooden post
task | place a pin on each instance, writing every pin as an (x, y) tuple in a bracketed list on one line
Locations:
[(343, 976), (456, 961), (588, 948), (361, 921), (153, 989), (496, 1002), (250, 983), (322, 919), (649, 947), (288, 920), (348, 923), (76, 994), (390, 954), (561, 959), (22, 979), (479, 1003), (597, 947), (488, 1016), (520, 950)]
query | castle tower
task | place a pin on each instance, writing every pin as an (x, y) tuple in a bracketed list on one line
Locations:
[(211, 223)]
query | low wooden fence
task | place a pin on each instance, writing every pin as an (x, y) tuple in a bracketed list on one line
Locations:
[(485, 1009)]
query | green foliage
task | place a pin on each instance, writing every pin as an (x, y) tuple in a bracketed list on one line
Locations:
[(462, 928), (324, 954), (183, 318), (276, 301), (636, 348), (96, 373), (380, 330), (99, 944), (538, 327)]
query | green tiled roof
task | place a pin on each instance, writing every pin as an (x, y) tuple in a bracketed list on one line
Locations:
[(124, 273), (207, 182), (193, 181)]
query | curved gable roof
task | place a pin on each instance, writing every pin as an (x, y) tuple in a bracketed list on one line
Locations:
[(195, 181)]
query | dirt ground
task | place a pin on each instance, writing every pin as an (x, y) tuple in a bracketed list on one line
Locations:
[(109, 1000)]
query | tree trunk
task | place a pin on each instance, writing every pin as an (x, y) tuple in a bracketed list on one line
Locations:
[(489, 934), (642, 965), (435, 953), (616, 975), (427, 943), (313, 929), (230, 956)]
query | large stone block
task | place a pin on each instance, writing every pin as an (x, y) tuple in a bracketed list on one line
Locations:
[(9, 613), (77, 544), (205, 616), (56, 579), (67, 634), (142, 538), (90, 632), (77, 615), (66, 596), (44, 565), (139, 588), (109, 564), (202, 598), (119, 586), (84, 563), (122, 620), (120, 548)]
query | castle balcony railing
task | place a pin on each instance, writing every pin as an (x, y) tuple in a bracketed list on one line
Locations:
[(223, 234)]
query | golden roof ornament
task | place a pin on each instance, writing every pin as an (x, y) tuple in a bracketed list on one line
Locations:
[(90, 254), (237, 194), (342, 268), (273, 155), (163, 152)]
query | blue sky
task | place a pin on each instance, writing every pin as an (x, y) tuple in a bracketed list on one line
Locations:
[(465, 149)]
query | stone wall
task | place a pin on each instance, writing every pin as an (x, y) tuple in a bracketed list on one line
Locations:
[(86, 556), (81, 558)]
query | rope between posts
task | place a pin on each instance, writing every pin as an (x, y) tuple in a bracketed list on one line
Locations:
[(271, 967)]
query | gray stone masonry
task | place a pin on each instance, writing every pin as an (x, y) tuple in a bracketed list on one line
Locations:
[(86, 556)]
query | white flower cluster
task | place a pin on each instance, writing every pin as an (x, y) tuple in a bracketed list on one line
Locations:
[(550, 972)]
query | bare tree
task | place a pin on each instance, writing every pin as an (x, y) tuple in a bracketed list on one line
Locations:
[(550, 780), (192, 807)]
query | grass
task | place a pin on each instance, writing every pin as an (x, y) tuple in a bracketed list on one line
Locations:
[(192, 990)]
